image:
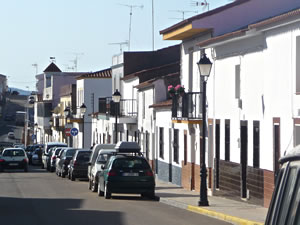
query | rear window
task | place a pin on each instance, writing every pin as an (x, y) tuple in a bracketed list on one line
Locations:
[(130, 163), (13, 153), (70, 152), (83, 156), (102, 158)]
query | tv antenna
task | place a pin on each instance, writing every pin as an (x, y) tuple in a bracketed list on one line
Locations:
[(75, 61), (36, 67), (52, 59), (203, 3), (130, 18), (183, 12), (121, 44)]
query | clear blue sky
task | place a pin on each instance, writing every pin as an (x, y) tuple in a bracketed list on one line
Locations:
[(32, 31)]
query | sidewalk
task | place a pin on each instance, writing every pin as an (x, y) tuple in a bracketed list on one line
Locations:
[(221, 208)]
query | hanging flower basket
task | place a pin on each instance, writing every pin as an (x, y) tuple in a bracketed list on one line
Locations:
[(179, 90), (171, 90)]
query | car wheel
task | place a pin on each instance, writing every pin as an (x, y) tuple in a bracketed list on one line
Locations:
[(151, 194), (100, 193), (107, 194), (90, 185), (72, 177), (94, 186), (43, 166)]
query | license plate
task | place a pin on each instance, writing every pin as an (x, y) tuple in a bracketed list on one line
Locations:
[(13, 164), (130, 174)]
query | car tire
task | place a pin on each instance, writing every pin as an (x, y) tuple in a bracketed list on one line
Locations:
[(100, 193), (151, 194), (107, 194), (94, 186), (72, 177), (43, 167), (90, 185)]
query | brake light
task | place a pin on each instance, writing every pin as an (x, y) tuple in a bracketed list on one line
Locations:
[(149, 173), (53, 157), (112, 173), (75, 163), (25, 160), (2, 160)]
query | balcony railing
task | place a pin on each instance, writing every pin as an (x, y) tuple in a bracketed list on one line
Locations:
[(128, 107), (187, 107)]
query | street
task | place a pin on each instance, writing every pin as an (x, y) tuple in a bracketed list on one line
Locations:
[(42, 198)]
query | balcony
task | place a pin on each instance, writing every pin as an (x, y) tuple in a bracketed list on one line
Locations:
[(127, 110), (187, 108)]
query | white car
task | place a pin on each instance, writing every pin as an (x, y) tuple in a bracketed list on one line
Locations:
[(14, 158), (11, 135)]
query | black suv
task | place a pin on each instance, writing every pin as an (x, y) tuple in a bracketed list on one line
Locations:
[(78, 167), (285, 204)]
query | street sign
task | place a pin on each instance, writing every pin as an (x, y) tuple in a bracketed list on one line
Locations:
[(74, 131), (68, 131)]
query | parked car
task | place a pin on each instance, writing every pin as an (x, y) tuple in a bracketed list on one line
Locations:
[(14, 158), (79, 164), (46, 156), (93, 158), (36, 158), (64, 161), (53, 158), (284, 207), (58, 157), (126, 172), (29, 150), (103, 156), (11, 135)]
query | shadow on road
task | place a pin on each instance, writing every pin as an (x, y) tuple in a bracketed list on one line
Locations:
[(22, 211)]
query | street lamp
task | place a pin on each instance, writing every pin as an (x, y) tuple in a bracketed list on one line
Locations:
[(116, 98), (204, 66), (82, 112)]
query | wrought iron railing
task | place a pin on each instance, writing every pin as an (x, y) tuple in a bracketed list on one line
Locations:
[(127, 107), (187, 106)]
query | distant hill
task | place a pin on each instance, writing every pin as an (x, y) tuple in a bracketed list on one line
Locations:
[(21, 92)]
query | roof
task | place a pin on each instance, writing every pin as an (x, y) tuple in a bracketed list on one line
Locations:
[(185, 27), (242, 32), (52, 68), (163, 104), (106, 73)]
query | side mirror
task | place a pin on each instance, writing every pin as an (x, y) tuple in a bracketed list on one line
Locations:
[(89, 163), (102, 167)]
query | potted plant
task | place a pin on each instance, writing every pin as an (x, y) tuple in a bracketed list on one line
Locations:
[(171, 90), (179, 90)]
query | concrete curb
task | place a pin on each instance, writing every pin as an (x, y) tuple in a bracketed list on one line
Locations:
[(222, 216)]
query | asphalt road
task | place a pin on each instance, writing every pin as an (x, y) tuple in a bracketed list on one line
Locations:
[(42, 198)]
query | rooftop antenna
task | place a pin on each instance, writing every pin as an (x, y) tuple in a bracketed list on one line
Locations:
[(36, 67), (183, 12), (203, 3), (130, 15), (121, 44), (75, 61)]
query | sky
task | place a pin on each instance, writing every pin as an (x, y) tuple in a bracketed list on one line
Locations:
[(90, 31)]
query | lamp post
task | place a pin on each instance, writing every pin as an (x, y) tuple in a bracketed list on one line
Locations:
[(116, 98), (67, 114), (82, 112), (204, 66), (36, 128)]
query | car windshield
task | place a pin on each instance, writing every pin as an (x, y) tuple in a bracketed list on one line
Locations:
[(130, 163), (13, 153), (102, 158)]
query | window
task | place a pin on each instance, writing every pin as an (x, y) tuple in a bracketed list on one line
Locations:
[(297, 134), (227, 140), (175, 146), (256, 144), (237, 81), (161, 142)]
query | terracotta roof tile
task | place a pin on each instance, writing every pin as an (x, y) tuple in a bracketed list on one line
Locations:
[(98, 74)]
